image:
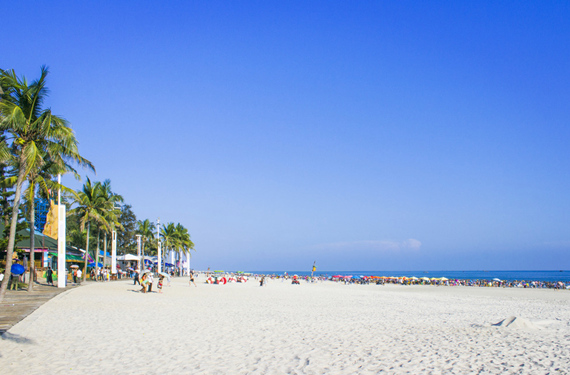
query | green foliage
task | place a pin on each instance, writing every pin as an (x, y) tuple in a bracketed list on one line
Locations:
[(126, 238)]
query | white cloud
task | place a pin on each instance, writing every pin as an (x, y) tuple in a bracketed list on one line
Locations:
[(385, 245)]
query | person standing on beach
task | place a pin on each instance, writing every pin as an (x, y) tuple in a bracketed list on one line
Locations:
[(136, 278), (159, 285), (49, 276), (75, 276), (79, 273), (192, 279)]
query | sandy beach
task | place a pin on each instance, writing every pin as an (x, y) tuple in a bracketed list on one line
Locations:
[(318, 328)]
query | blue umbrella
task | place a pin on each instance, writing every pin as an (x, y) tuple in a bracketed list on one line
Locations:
[(17, 269), (92, 264)]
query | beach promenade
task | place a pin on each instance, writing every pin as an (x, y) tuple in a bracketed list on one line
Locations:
[(312, 328)]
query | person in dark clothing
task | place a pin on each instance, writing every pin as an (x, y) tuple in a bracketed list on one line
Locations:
[(49, 276)]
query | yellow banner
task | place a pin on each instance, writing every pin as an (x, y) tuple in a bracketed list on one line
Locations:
[(50, 229)]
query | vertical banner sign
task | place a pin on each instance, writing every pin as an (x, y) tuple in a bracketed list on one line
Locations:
[(114, 253), (61, 275)]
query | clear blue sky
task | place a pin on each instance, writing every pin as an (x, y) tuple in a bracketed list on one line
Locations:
[(365, 135)]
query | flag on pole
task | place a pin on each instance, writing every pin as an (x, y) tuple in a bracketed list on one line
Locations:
[(50, 229)]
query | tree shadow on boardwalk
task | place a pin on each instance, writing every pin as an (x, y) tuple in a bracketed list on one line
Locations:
[(20, 303)]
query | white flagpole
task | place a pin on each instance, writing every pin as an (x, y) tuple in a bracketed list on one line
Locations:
[(139, 252), (114, 253), (61, 276)]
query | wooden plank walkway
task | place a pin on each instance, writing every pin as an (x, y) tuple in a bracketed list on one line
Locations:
[(18, 304)]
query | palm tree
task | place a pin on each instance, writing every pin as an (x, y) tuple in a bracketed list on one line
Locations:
[(169, 238), (34, 135), (184, 242), (112, 216), (91, 206), (146, 230), (40, 179)]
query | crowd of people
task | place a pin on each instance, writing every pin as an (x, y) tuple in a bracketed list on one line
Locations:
[(452, 282)]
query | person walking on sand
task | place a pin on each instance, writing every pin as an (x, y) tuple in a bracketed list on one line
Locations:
[(79, 273), (159, 285), (192, 279), (136, 278), (49, 276)]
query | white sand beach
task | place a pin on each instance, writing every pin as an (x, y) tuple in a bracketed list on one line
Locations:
[(320, 328)]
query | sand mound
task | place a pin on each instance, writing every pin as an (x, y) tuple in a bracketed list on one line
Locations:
[(517, 323)]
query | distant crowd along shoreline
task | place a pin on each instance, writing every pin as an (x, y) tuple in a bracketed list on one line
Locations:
[(402, 280)]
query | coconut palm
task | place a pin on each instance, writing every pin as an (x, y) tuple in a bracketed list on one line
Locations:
[(112, 216), (184, 242), (91, 207), (168, 237), (33, 136), (146, 230), (40, 181)]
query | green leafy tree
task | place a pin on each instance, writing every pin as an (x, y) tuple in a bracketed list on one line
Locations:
[(168, 237), (126, 238), (111, 215), (145, 228), (184, 241), (33, 134), (91, 206)]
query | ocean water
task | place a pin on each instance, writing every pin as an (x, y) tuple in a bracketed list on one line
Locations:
[(463, 275)]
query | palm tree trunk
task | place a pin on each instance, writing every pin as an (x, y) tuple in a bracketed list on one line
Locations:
[(12, 237), (32, 244), (86, 253)]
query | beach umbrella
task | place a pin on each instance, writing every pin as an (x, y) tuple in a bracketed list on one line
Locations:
[(164, 274), (425, 278), (17, 269), (74, 266), (444, 279), (145, 271), (496, 279)]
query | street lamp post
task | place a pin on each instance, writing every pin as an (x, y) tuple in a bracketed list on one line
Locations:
[(61, 253)]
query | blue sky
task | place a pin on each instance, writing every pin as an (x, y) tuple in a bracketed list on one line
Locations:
[(365, 135)]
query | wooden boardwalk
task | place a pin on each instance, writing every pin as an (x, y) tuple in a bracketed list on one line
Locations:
[(19, 304)]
